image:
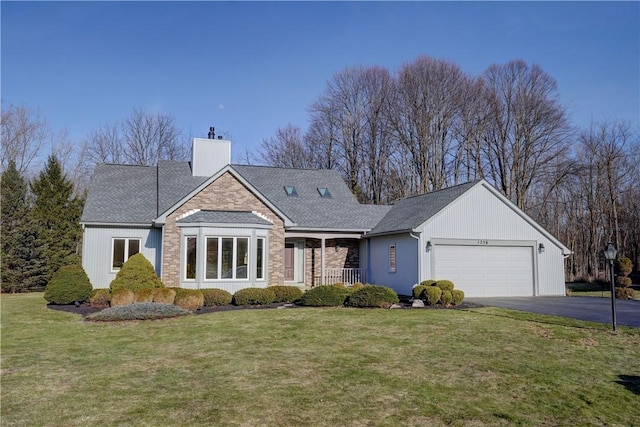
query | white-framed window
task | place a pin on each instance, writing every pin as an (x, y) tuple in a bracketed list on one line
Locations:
[(261, 261), (121, 250), (392, 258), (227, 258), (191, 257)]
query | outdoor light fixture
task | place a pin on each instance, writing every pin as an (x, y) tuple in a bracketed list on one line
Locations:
[(541, 247), (428, 246), (610, 253)]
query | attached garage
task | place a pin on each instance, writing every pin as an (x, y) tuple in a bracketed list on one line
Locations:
[(484, 270), (472, 235)]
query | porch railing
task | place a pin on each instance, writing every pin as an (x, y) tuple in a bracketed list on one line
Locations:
[(348, 276)]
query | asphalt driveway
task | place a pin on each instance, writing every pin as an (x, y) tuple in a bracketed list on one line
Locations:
[(583, 308)]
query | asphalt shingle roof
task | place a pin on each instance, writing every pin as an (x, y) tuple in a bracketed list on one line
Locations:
[(224, 217), (409, 213)]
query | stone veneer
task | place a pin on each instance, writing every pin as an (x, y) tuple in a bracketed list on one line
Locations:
[(224, 194), (347, 256)]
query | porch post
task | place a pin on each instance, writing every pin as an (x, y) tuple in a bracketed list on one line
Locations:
[(322, 247)]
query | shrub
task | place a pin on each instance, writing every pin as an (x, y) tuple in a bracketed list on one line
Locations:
[(458, 296), (164, 295), (417, 291), (216, 297), (286, 293), (189, 299), (625, 293), (373, 296), (446, 298), (429, 282), (623, 282), (122, 296), (624, 266), (135, 274), (140, 311), (324, 296), (253, 296), (357, 285), (68, 285), (143, 295), (100, 298), (445, 285), (432, 295), (339, 285)]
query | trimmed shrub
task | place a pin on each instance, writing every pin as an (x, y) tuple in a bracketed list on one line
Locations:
[(68, 285), (623, 282), (624, 266), (339, 285), (143, 295), (164, 295), (253, 296), (458, 296), (625, 293), (286, 293), (122, 296), (357, 285), (100, 298), (189, 299), (429, 282), (373, 296), (140, 311), (432, 295), (445, 285), (325, 296), (135, 274), (446, 298), (216, 297), (417, 291)]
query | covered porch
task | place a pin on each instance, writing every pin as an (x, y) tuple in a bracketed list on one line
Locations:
[(315, 259)]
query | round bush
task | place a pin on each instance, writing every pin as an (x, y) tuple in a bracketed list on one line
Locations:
[(625, 293), (458, 296), (68, 285), (431, 295), (445, 285), (216, 297), (286, 293), (189, 299), (624, 265), (446, 298), (324, 296), (140, 311), (143, 295), (100, 298), (164, 295), (623, 282), (253, 296), (417, 291), (122, 296), (429, 282), (357, 285), (373, 296), (135, 274)]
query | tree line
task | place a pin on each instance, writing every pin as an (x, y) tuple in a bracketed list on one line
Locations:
[(431, 125)]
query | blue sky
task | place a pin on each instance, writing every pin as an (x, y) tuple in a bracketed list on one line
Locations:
[(248, 68)]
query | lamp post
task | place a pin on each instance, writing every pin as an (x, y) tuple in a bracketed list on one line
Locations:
[(610, 253)]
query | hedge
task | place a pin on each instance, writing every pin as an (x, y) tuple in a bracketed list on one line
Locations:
[(68, 285)]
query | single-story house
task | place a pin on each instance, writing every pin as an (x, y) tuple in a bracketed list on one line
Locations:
[(212, 224)]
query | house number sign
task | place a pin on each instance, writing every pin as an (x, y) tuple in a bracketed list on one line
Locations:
[(483, 242)]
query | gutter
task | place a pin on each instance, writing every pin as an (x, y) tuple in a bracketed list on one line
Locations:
[(419, 254)]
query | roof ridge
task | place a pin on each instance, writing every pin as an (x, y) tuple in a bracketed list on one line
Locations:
[(442, 189), (283, 167)]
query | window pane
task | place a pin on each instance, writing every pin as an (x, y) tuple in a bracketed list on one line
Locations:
[(227, 258), (392, 258), (259, 259), (191, 257), (134, 247), (212, 258), (118, 253), (242, 256)]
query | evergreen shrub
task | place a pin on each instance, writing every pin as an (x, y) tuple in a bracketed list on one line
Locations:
[(357, 285), (253, 296), (286, 293), (429, 282), (446, 298), (432, 295), (324, 296), (417, 291), (624, 266), (458, 296), (135, 274), (140, 311), (68, 285), (445, 285), (216, 297), (143, 295), (189, 299), (164, 295), (623, 282), (100, 298), (373, 296), (625, 293), (122, 296)]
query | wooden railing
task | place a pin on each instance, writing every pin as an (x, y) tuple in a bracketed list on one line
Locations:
[(348, 276)]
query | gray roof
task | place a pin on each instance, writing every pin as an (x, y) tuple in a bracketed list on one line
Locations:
[(175, 182), (224, 217), (409, 213)]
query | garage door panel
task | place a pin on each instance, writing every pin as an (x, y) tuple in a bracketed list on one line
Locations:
[(486, 270)]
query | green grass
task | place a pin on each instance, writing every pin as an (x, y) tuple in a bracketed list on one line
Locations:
[(595, 290), (315, 367)]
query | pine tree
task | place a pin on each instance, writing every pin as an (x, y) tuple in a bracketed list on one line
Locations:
[(57, 212), (22, 263)]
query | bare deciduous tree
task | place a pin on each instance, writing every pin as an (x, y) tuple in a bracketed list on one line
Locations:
[(24, 134), (286, 149)]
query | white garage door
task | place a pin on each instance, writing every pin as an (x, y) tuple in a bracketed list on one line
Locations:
[(486, 271)]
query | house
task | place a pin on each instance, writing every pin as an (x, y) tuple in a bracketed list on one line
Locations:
[(212, 224)]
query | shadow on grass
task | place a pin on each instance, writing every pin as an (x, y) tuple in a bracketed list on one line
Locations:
[(630, 382)]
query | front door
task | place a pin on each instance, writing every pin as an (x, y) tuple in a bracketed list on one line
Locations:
[(289, 262)]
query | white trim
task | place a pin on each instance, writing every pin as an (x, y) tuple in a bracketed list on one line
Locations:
[(126, 250), (394, 268)]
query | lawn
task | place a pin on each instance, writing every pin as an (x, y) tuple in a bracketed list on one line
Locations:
[(315, 367), (580, 289)]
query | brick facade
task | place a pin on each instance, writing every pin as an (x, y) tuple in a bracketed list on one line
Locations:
[(347, 256), (225, 193)]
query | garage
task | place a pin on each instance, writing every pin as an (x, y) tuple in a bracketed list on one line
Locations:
[(483, 271)]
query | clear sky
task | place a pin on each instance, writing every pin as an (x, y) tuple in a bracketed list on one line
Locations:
[(248, 68)]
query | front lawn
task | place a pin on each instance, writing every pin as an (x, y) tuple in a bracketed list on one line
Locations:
[(315, 367)]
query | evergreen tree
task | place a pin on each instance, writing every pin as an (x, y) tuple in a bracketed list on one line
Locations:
[(57, 212), (22, 263)]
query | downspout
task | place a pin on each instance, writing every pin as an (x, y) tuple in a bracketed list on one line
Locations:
[(419, 257)]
